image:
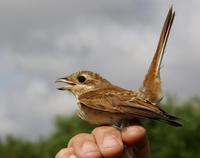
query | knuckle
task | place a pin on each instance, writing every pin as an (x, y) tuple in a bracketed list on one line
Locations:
[(62, 153), (78, 137)]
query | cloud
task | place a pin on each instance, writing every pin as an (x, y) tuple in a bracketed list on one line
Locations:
[(31, 106), (43, 40)]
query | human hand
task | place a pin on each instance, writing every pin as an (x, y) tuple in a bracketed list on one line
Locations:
[(107, 142)]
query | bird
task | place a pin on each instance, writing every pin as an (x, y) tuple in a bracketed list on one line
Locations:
[(102, 103)]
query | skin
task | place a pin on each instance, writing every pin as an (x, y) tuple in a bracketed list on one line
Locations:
[(107, 142)]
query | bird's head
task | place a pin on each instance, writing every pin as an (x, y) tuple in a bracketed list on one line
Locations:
[(83, 82)]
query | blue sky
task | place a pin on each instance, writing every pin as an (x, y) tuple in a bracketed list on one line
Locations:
[(41, 41)]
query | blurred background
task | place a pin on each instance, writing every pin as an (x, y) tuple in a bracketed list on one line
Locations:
[(41, 41)]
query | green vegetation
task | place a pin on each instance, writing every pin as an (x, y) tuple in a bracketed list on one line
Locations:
[(166, 141)]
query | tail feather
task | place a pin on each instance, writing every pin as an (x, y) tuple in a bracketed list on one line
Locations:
[(152, 83)]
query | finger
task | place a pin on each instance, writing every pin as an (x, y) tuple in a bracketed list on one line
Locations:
[(109, 141), (66, 153), (84, 145), (133, 134), (142, 150), (136, 137)]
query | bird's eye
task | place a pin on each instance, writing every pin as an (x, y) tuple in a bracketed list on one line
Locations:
[(81, 79)]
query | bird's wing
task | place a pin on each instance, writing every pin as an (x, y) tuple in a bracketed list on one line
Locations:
[(152, 84), (133, 108), (115, 103)]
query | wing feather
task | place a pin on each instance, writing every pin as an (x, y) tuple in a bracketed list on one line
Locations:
[(115, 103), (134, 107)]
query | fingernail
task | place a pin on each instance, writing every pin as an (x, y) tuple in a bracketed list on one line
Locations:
[(89, 147), (110, 142)]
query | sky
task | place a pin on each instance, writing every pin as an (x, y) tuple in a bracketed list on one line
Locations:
[(42, 40)]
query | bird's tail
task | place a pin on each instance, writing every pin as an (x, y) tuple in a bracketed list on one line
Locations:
[(152, 83)]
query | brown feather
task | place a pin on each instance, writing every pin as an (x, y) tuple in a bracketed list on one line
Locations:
[(152, 83), (124, 102)]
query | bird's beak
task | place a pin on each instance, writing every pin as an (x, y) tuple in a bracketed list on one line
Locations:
[(65, 80)]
